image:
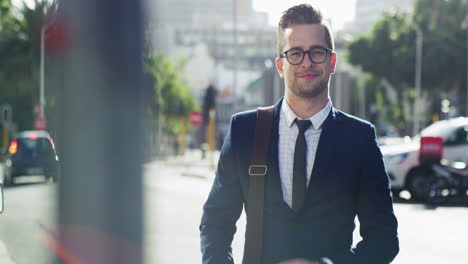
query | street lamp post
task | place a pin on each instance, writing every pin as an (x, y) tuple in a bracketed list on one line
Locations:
[(235, 61), (417, 78), (42, 100), (465, 26), (41, 75)]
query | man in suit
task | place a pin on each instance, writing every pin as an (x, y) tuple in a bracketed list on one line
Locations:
[(311, 199)]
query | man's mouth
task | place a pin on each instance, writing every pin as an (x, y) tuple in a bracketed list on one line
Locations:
[(308, 75)]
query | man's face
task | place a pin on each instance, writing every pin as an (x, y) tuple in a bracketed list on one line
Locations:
[(306, 79)]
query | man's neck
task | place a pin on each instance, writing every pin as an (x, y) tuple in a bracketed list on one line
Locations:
[(306, 107)]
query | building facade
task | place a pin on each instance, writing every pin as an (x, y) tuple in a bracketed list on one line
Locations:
[(369, 11)]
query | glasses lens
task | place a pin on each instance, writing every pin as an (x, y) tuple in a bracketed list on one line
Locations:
[(295, 56), (318, 55)]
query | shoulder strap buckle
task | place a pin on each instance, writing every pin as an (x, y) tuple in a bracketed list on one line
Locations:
[(257, 170)]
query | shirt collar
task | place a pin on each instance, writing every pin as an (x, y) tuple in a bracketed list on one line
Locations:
[(317, 119)]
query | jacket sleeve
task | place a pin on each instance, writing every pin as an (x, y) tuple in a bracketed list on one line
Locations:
[(378, 224), (223, 207)]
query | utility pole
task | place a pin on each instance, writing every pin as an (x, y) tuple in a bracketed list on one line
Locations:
[(235, 61), (41, 74), (100, 198), (464, 26), (417, 79), (42, 101)]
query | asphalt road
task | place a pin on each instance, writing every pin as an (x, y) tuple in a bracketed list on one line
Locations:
[(29, 208), (174, 194)]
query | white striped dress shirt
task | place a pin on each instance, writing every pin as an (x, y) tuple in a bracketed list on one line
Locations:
[(288, 132)]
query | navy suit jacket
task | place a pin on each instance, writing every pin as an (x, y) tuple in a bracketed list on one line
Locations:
[(348, 180)]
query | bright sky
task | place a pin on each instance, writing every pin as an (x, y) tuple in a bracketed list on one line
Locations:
[(340, 11)]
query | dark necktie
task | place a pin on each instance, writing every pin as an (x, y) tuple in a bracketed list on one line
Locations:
[(300, 165)]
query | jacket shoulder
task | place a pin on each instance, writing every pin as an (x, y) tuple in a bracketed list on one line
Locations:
[(244, 120), (353, 121)]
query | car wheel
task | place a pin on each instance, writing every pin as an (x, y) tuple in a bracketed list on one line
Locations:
[(2, 173), (396, 193), (8, 179), (437, 190), (417, 183)]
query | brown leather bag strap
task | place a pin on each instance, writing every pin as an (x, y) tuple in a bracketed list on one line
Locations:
[(253, 247)]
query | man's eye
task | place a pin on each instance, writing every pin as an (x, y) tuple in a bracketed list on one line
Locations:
[(318, 52), (295, 53)]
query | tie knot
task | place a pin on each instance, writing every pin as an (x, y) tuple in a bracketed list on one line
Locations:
[(303, 125)]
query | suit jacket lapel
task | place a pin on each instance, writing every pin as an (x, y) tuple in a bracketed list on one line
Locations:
[(326, 147)]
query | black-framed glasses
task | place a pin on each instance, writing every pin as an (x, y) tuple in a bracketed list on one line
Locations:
[(317, 55)]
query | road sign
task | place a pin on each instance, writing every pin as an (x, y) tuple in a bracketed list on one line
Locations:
[(196, 118), (40, 123)]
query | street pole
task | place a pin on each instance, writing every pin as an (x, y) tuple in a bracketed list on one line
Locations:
[(417, 78), (41, 75), (42, 101), (464, 25), (211, 137), (234, 57)]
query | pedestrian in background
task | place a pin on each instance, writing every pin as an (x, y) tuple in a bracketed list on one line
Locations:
[(324, 167)]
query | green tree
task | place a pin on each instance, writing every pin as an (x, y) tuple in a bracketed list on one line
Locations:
[(19, 55), (388, 52), (172, 98)]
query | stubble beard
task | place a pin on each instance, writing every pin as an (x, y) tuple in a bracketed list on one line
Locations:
[(309, 92)]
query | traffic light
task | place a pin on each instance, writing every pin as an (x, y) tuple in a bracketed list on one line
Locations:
[(209, 102)]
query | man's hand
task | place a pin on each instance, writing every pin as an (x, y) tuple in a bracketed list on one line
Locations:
[(299, 261)]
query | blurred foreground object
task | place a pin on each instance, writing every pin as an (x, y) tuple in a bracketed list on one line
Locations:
[(100, 129)]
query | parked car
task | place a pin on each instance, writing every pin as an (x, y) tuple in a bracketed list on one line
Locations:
[(31, 153), (402, 160)]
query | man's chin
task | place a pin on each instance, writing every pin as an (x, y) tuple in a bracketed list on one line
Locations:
[(310, 92)]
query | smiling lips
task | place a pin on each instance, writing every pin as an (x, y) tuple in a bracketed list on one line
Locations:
[(308, 75)]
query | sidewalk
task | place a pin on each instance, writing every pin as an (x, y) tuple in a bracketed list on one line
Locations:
[(192, 164)]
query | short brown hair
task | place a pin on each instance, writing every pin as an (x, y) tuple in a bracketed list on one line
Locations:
[(301, 14)]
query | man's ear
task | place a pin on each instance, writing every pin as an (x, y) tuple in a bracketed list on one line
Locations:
[(279, 66), (333, 63)]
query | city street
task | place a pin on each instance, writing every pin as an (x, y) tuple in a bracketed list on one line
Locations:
[(29, 209), (108, 113), (175, 191)]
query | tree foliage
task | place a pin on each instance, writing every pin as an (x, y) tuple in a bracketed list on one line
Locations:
[(171, 96), (20, 29), (389, 51), (20, 33)]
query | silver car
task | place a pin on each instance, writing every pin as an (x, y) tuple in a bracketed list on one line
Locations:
[(402, 160)]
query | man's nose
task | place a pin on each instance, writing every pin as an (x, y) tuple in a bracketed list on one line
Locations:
[(307, 62)]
